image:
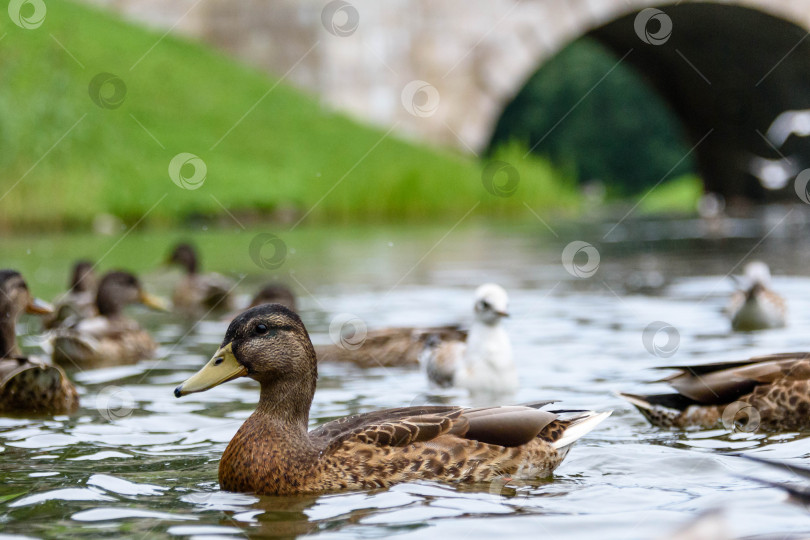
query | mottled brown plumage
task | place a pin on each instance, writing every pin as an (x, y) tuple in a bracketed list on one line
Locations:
[(111, 338), (389, 346), (765, 392), (28, 385), (196, 293), (273, 453)]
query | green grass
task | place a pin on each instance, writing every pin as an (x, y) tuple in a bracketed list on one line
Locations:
[(65, 160), (679, 195)]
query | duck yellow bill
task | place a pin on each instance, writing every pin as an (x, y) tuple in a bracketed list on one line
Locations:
[(39, 307), (154, 302), (223, 367)]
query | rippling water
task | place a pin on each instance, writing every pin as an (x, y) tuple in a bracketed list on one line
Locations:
[(135, 461)]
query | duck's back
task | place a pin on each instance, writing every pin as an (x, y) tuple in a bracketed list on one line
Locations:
[(399, 445), (102, 341), (30, 385)]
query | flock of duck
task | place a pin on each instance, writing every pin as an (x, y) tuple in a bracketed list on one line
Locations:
[(274, 452)]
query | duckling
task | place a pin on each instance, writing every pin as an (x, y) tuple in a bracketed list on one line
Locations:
[(110, 338), (27, 384), (482, 363), (770, 392), (274, 454), (756, 306), (196, 293), (80, 300), (274, 293)]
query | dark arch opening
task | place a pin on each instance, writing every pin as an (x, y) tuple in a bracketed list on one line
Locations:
[(726, 71)]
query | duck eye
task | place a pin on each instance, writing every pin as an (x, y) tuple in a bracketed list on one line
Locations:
[(485, 305), (261, 329)]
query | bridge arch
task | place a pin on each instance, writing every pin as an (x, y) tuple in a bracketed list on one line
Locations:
[(727, 71)]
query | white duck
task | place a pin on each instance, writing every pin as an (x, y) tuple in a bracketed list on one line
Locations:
[(484, 362), (755, 306)]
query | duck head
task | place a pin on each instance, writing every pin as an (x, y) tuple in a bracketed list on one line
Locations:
[(83, 278), (757, 272), (268, 344), (186, 256), (119, 289), (15, 299), (491, 303)]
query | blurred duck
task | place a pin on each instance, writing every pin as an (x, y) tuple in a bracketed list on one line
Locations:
[(27, 384), (755, 306), (273, 453), (198, 294), (111, 337), (771, 393), (482, 363), (385, 347), (80, 300), (274, 293)]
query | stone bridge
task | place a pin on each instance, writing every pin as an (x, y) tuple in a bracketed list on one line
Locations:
[(443, 71)]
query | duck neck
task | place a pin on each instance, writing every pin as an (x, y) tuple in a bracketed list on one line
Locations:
[(190, 264), (107, 305), (488, 344), (286, 407), (8, 338), (272, 452)]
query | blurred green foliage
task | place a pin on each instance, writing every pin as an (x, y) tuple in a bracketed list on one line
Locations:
[(270, 150), (598, 117)]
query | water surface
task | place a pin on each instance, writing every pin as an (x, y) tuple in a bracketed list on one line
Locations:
[(135, 461)]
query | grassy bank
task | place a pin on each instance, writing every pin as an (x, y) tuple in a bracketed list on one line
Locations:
[(65, 159)]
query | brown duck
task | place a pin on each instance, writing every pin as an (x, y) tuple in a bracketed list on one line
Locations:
[(274, 293), (27, 384), (768, 392), (196, 293), (273, 453), (80, 300), (111, 338), (388, 346)]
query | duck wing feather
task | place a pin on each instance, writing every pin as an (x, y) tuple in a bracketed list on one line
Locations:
[(724, 382), (507, 426)]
